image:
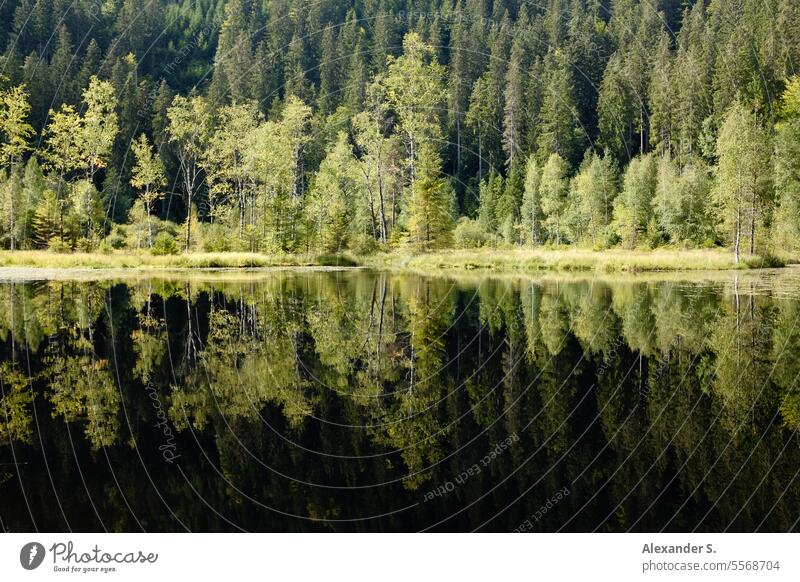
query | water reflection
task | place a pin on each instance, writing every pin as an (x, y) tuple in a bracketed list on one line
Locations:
[(360, 401)]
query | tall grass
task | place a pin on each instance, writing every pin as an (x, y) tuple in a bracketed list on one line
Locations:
[(530, 260), (129, 260), (493, 260)]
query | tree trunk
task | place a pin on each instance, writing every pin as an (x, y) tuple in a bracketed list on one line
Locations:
[(458, 144), (641, 128), (394, 207), (11, 213), (188, 219), (242, 211), (146, 202), (372, 218), (738, 233), (413, 162), (381, 205), (480, 154), (558, 231), (753, 223)]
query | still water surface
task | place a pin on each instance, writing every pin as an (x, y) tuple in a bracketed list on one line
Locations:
[(359, 401)]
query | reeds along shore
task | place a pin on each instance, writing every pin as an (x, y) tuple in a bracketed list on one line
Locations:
[(491, 260)]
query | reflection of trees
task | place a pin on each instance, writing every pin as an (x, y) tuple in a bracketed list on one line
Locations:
[(82, 387), (669, 414), (25, 315), (81, 383), (352, 324), (16, 398), (558, 383), (412, 419), (149, 337), (741, 342), (595, 323), (633, 305), (553, 321), (242, 366), (683, 316), (786, 347)]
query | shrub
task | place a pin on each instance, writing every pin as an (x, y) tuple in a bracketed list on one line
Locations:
[(336, 261), (216, 238), (609, 237), (765, 261), (363, 244), (115, 240), (469, 234), (164, 244), (56, 245)]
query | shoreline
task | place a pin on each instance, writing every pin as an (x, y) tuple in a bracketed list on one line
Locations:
[(528, 261), (16, 265)]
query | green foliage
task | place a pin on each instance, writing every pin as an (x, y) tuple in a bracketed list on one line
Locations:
[(253, 160), (683, 202), (469, 234), (116, 240), (554, 190), (47, 223), (560, 131), (189, 130), (743, 187), (594, 189), (787, 168), (414, 85), (507, 210), (16, 131), (148, 176), (164, 244), (633, 210), (336, 194), (85, 215), (431, 206), (63, 151), (490, 192), (99, 125), (531, 210), (481, 118)]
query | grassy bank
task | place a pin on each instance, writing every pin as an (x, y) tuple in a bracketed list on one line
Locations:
[(146, 261), (530, 260), (491, 260)]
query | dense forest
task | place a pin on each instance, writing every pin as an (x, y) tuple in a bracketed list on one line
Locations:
[(318, 126)]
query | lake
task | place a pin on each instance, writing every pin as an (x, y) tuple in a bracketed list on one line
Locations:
[(360, 401)]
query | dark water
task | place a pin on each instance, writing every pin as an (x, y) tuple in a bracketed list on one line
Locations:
[(352, 401)]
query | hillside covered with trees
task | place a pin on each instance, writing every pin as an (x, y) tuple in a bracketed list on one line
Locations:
[(318, 126)]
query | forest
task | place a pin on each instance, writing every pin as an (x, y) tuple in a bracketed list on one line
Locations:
[(291, 126)]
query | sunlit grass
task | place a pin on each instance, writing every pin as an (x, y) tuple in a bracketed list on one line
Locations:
[(493, 260), (130, 260), (530, 260)]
